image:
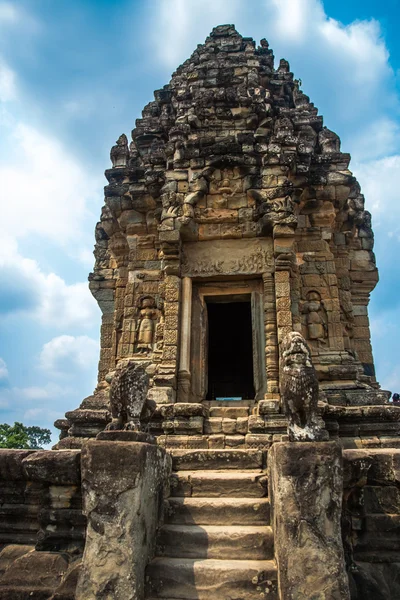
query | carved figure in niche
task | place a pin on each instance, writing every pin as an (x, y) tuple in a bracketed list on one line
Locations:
[(146, 325), (128, 392), (119, 153), (225, 188), (317, 320), (299, 391)]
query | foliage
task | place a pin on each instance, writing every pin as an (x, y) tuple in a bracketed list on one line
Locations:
[(21, 436)]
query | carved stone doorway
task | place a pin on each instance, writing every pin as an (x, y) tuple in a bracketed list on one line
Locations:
[(229, 360)]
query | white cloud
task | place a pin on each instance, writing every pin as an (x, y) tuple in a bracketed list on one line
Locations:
[(380, 180), (46, 297), (46, 190), (8, 13), (361, 42), (8, 89), (182, 24), (376, 140), (32, 416), (35, 392), (12, 17), (86, 257), (3, 369), (67, 353), (292, 17)]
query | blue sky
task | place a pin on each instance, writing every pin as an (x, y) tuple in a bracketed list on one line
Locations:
[(75, 74)]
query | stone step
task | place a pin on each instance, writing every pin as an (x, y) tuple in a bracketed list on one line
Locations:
[(219, 484), (210, 579), (227, 426), (190, 460), (276, 424), (217, 511), (229, 412), (214, 541)]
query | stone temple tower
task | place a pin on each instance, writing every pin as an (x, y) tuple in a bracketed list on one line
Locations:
[(237, 445), (231, 219)]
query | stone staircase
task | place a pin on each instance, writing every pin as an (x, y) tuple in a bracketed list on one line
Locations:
[(216, 542), (207, 426)]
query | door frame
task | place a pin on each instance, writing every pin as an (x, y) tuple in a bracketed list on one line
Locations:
[(201, 291)]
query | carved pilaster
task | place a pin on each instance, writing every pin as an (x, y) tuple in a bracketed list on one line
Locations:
[(186, 324), (284, 260), (271, 334)]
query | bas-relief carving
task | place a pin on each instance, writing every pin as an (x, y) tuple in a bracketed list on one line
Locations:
[(146, 325), (316, 318), (144, 333), (236, 257)]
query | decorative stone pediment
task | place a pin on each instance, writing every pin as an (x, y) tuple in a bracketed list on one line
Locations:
[(227, 257)]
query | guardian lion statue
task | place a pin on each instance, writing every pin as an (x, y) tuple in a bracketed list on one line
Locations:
[(299, 391), (128, 392)]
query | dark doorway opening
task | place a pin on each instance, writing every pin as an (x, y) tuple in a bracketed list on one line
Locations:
[(230, 350)]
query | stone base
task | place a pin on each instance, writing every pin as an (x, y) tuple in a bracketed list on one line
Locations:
[(122, 486), (306, 482), (126, 436)]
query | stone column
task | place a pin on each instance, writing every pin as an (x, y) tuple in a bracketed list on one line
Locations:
[(165, 380), (306, 487), (284, 258), (186, 326), (361, 332), (271, 337), (122, 485)]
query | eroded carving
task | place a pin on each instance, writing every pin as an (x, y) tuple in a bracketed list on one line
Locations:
[(299, 390), (128, 392), (148, 314), (316, 318), (119, 153), (246, 258)]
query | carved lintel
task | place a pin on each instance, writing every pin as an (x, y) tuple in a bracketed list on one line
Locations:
[(227, 257)]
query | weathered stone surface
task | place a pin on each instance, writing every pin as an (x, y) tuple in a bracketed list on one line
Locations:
[(125, 436), (67, 588), (217, 484), (217, 459), (12, 552), (370, 523), (306, 482), (122, 483), (219, 579), (218, 511), (34, 575), (128, 392), (375, 581), (59, 467), (11, 464), (376, 466), (214, 541), (20, 500)]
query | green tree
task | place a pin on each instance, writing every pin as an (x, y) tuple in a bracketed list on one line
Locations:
[(21, 436)]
